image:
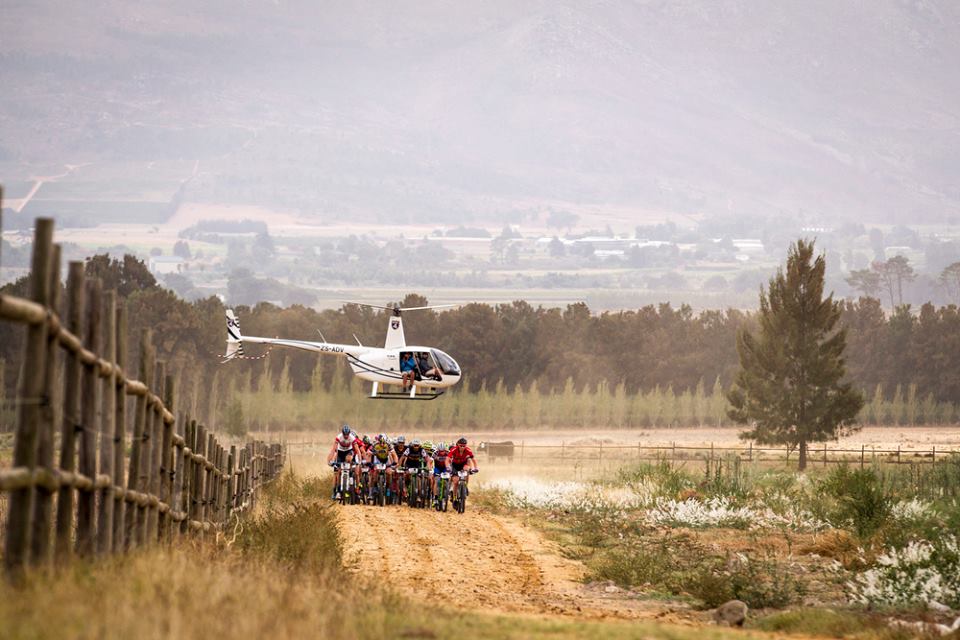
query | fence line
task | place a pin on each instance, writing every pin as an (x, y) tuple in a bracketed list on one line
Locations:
[(180, 478), (689, 453)]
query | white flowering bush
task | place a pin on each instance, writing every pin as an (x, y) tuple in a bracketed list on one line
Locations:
[(527, 492), (920, 574), (715, 512), (911, 511), (719, 512)]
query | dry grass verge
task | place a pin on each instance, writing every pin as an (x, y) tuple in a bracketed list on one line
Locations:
[(278, 576)]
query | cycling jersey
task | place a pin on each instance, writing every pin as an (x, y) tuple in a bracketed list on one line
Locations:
[(415, 458), (458, 457), (380, 451), (346, 443)]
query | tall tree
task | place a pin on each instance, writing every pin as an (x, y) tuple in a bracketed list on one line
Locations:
[(893, 273), (950, 280), (867, 281), (126, 276), (789, 387)]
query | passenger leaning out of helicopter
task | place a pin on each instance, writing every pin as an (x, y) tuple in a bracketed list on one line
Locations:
[(408, 369), (426, 370), (346, 448)]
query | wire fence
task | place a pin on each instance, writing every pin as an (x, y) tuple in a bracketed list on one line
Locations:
[(101, 487)]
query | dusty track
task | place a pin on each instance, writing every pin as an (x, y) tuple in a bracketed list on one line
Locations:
[(495, 563)]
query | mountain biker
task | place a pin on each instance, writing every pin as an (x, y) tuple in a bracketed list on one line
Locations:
[(441, 463), (346, 448), (460, 457), (414, 457), (399, 446), (381, 451)]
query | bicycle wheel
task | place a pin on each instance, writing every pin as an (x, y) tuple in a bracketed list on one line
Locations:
[(462, 496), (382, 489), (445, 495)]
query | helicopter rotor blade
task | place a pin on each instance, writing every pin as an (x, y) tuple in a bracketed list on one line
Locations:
[(400, 309), (372, 306), (433, 306)]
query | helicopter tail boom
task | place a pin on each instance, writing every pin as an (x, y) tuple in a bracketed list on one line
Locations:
[(234, 338)]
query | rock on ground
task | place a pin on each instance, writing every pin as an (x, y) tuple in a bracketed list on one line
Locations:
[(731, 614)]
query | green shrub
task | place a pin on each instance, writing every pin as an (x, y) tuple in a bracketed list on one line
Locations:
[(663, 563), (760, 581), (294, 527), (669, 479), (859, 500)]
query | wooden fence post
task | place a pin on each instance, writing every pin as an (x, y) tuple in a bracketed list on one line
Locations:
[(43, 505), (200, 473), (863, 451), (824, 454), (90, 387), (196, 468), (108, 428), (933, 458), (231, 480), (139, 450), (209, 477), (751, 451), (156, 443), (215, 489), (71, 422), (898, 454), (17, 547), (166, 460), (189, 472), (179, 469), (120, 428)]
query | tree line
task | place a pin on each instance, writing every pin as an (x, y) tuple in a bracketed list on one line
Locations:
[(517, 347)]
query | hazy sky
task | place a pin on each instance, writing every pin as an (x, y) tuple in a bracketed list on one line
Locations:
[(439, 110)]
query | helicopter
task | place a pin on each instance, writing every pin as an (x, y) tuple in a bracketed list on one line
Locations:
[(379, 365)]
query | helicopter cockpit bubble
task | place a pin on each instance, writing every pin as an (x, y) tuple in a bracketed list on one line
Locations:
[(447, 364)]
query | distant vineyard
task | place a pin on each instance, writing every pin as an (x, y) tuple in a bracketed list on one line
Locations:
[(600, 407)]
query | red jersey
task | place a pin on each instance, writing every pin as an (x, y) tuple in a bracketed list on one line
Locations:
[(460, 457), (348, 443)]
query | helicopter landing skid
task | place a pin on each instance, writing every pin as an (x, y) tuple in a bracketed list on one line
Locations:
[(415, 393), (404, 395)]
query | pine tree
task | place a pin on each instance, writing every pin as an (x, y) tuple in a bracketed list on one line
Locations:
[(789, 386)]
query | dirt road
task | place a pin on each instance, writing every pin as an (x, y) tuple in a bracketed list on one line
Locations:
[(494, 563)]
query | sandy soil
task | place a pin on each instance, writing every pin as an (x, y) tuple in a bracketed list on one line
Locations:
[(500, 565)]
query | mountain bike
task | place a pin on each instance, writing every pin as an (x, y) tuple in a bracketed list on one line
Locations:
[(462, 490), (443, 491), (426, 488), (345, 487), (413, 487), (363, 491), (379, 491), (396, 487)]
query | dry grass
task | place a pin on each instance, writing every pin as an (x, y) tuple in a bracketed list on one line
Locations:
[(279, 575)]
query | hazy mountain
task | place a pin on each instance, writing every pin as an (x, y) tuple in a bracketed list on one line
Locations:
[(449, 110)]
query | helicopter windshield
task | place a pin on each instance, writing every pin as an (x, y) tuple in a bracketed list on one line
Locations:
[(447, 364)]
